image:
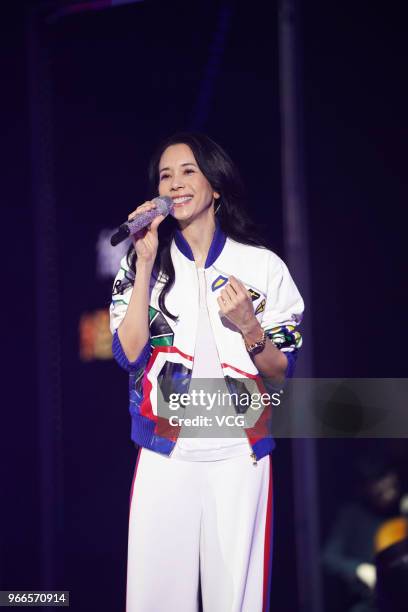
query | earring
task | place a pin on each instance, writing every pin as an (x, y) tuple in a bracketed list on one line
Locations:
[(217, 209)]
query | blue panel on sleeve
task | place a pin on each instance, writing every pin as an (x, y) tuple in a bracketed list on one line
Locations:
[(291, 357), (123, 361)]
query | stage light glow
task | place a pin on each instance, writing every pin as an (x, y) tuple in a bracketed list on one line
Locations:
[(95, 338)]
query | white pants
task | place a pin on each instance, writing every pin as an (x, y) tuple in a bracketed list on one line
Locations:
[(207, 520)]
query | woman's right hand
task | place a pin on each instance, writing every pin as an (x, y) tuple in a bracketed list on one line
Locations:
[(146, 240)]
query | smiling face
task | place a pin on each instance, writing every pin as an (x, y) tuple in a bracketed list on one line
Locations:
[(182, 180)]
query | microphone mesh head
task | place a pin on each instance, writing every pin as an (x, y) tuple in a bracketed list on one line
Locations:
[(165, 204)]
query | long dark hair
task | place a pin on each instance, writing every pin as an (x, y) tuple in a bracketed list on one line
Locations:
[(223, 176)]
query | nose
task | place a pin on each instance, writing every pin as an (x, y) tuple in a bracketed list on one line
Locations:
[(176, 182)]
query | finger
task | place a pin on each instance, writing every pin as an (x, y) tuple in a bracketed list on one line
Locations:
[(232, 294), (142, 208), (226, 297), (221, 303), (236, 284), (231, 287), (140, 234), (137, 212), (156, 222)]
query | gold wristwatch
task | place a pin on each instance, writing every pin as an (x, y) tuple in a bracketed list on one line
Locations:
[(256, 347)]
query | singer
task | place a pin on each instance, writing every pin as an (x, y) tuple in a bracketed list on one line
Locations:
[(200, 297)]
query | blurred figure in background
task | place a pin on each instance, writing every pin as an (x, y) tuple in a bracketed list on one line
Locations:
[(349, 552)]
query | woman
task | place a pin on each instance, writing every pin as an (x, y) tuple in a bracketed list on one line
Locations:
[(200, 301)]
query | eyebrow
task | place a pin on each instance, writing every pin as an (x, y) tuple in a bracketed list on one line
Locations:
[(185, 164)]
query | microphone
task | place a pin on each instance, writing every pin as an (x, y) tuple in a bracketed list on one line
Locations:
[(164, 207)]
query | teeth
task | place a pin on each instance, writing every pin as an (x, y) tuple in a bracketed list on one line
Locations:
[(182, 199)]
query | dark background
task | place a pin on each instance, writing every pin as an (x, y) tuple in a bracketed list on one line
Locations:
[(120, 80)]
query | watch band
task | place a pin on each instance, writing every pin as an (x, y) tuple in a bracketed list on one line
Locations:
[(256, 347)]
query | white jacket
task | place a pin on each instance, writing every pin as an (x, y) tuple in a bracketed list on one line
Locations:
[(167, 359)]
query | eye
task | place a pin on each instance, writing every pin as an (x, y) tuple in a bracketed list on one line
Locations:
[(164, 176), (189, 171)]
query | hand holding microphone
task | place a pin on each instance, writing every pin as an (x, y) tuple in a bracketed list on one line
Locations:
[(142, 225)]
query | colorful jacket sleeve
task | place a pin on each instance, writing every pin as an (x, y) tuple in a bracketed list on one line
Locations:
[(121, 293), (283, 312)]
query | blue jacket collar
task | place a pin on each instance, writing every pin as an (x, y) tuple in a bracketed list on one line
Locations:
[(215, 249)]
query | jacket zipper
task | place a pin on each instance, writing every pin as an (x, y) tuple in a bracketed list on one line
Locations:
[(254, 458), (252, 455)]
